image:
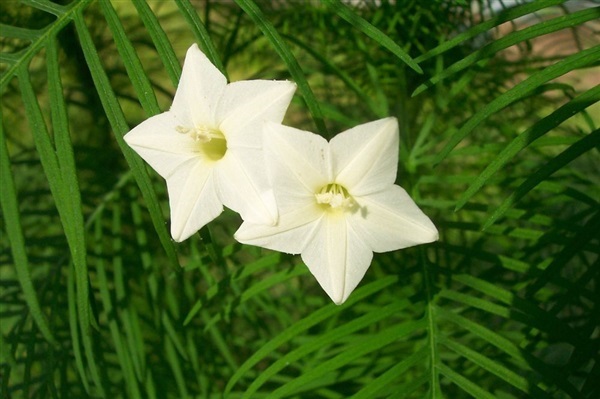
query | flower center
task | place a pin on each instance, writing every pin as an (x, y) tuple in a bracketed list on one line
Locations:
[(211, 142), (335, 197)]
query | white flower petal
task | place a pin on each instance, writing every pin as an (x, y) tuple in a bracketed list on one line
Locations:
[(200, 88), (247, 104), (337, 235), (390, 220), (365, 158), (193, 199), (297, 161), (337, 257), (200, 178), (290, 235), (157, 142), (244, 187)]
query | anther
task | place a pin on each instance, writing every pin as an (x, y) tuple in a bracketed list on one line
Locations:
[(200, 134), (336, 196)]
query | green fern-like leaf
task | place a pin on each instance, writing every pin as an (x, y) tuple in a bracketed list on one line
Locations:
[(499, 145)]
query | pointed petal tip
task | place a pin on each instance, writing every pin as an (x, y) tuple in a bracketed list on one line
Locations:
[(135, 133), (434, 233), (270, 202), (243, 234), (177, 234), (391, 125), (180, 231), (338, 301), (428, 234), (291, 85), (178, 239), (127, 137), (193, 48), (135, 138), (387, 123), (262, 210), (391, 119), (339, 296), (260, 219), (336, 291), (238, 237)]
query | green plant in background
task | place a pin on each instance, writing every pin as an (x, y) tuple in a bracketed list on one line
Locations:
[(497, 106)]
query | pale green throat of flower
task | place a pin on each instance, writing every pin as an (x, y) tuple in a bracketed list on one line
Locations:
[(335, 197), (211, 142)]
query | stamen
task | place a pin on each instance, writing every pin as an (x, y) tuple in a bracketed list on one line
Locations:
[(202, 134), (336, 196), (211, 142)]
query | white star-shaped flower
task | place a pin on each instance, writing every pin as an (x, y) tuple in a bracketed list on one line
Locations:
[(208, 146), (338, 202)]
